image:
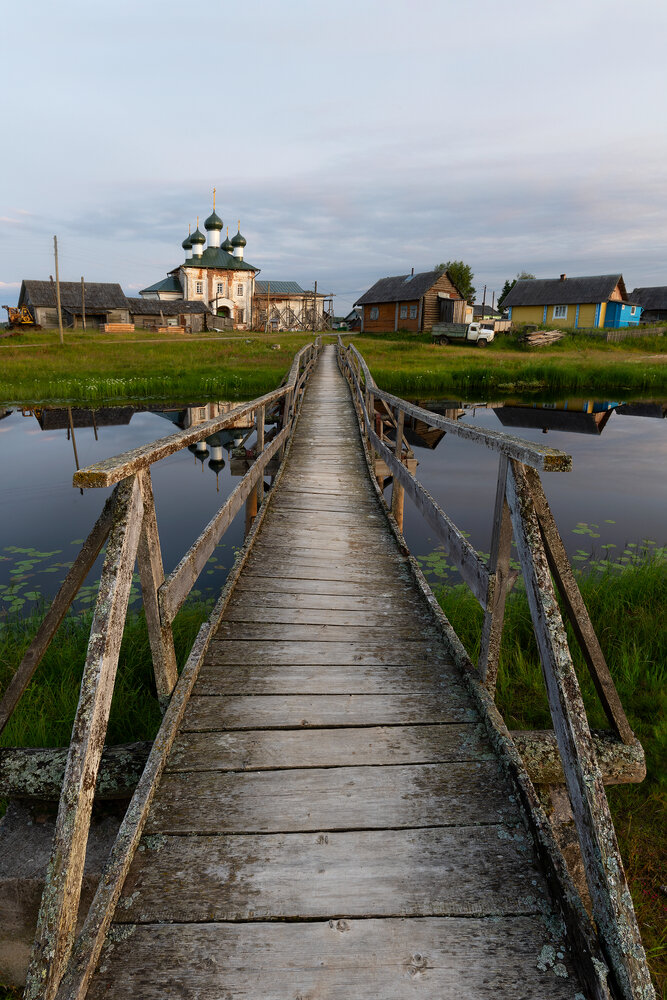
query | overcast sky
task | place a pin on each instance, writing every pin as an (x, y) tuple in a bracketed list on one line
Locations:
[(353, 139)]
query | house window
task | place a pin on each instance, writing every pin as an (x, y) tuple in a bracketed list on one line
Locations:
[(633, 310), (560, 312), (239, 289), (375, 312), (202, 413), (200, 287), (219, 288), (413, 312), (404, 312)]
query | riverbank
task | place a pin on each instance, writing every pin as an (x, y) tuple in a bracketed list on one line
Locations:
[(634, 599), (92, 368)]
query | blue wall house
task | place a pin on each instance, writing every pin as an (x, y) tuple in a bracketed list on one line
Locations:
[(622, 314)]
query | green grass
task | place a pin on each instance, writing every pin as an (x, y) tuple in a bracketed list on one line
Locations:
[(92, 367), (628, 608)]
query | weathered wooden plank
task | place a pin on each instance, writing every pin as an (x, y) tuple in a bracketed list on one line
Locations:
[(450, 871), (380, 604), (213, 712), (372, 575), (419, 678), (60, 902), (267, 631), (285, 652), (68, 590), (180, 582), (272, 749), (577, 612), (620, 763), (612, 904), (500, 580), (389, 590), (403, 619), (448, 958), (38, 772), (151, 574), (332, 798)]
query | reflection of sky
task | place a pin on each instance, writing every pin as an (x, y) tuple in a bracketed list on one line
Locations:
[(620, 476)]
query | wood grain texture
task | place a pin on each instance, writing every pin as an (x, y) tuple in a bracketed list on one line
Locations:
[(443, 958)]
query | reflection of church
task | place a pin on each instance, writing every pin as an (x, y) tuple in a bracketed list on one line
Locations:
[(216, 274)]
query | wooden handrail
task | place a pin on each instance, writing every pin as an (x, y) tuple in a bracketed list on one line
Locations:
[(521, 509)]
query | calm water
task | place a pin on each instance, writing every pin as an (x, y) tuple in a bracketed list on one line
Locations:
[(615, 495)]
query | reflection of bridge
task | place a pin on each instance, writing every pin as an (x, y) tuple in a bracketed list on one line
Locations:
[(333, 806)]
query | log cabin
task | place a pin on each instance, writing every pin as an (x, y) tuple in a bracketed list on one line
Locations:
[(411, 302)]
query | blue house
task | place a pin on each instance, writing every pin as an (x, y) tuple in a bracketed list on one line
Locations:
[(622, 314)]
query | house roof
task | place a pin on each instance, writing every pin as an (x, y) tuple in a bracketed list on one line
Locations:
[(279, 287), (99, 295), (487, 310), (403, 288), (168, 307), (568, 291), (654, 297), (220, 259), (168, 284)]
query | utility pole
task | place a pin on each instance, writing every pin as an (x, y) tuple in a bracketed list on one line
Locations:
[(268, 306), (83, 303), (60, 315), (483, 301), (315, 308)]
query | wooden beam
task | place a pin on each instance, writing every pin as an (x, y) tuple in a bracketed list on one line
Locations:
[(612, 904), (61, 603), (60, 901), (619, 763), (38, 772), (501, 583)]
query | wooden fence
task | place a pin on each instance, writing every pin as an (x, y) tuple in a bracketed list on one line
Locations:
[(128, 526), (521, 512)]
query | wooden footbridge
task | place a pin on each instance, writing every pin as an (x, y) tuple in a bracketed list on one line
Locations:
[(333, 806)]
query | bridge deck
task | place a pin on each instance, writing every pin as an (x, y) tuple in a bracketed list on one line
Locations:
[(332, 821)]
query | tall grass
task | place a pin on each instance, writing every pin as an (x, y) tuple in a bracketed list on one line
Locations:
[(629, 612)]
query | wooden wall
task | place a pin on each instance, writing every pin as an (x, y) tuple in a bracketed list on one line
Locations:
[(431, 310)]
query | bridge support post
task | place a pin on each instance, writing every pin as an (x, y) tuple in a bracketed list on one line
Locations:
[(397, 491)]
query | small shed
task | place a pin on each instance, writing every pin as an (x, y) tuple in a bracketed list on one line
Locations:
[(653, 301), (152, 313), (104, 302), (411, 302)]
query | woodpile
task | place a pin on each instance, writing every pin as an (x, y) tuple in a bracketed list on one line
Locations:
[(541, 338), (117, 327)]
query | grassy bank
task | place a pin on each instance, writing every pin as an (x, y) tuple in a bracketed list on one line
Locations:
[(629, 612), (94, 367)]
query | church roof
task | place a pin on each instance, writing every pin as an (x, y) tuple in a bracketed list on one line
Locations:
[(220, 259), (168, 284)]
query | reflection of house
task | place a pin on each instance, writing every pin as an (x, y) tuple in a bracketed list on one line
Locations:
[(104, 302), (653, 302), (411, 302), (573, 416), (58, 418), (153, 313), (598, 301), (284, 305), (656, 410)]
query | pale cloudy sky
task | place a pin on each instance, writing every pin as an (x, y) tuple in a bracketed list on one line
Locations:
[(354, 140)]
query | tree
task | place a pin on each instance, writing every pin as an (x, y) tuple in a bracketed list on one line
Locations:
[(462, 276), (509, 285)]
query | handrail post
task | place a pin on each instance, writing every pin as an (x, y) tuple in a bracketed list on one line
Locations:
[(251, 502), (397, 491), (499, 568), (151, 574), (259, 448)]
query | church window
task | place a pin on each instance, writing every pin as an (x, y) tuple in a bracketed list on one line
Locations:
[(200, 287), (239, 289), (219, 288), (240, 315)]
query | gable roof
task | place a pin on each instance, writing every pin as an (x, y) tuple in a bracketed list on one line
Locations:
[(281, 288), (99, 295), (566, 291), (653, 297), (168, 307), (403, 287)]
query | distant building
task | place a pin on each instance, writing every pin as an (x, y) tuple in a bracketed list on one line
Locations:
[(653, 301), (411, 302), (588, 302), (105, 302), (481, 312), (285, 305), (146, 312)]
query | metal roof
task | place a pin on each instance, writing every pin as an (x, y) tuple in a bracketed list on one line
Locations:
[(566, 291), (280, 288), (99, 295), (168, 307), (220, 259), (168, 284)]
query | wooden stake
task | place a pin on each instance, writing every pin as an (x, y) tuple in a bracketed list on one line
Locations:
[(60, 315), (83, 303)]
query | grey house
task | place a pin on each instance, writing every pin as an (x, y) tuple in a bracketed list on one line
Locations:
[(105, 302)]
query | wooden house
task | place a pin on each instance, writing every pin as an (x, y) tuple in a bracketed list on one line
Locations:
[(587, 302), (653, 301), (105, 302), (153, 313), (411, 302)]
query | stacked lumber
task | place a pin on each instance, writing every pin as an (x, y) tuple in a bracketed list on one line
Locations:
[(541, 338), (117, 327)]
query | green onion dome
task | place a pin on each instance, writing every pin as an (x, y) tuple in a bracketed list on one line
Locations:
[(238, 241), (228, 245), (197, 237), (187, 242), (213, 222)]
